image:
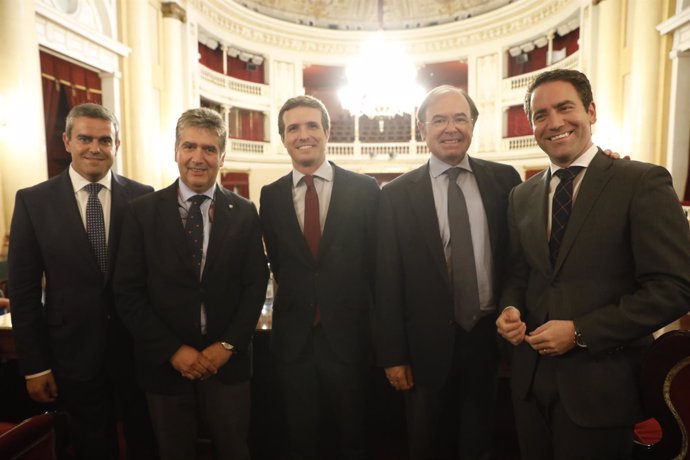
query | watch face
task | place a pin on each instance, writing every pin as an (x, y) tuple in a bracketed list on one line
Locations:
[(227, 346)]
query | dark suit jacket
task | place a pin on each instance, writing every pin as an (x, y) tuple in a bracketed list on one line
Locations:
[(622, 272), (340, 281), (48, 235), (414, 320), (159, 294)]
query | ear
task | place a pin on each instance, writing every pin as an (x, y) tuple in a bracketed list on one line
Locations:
[(592, 111), (421, 126), (65, 140)]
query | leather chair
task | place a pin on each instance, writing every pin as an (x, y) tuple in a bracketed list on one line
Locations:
[(32, 439), (665, 389)]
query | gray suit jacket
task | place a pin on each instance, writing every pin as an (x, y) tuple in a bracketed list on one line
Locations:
[(622, 272)]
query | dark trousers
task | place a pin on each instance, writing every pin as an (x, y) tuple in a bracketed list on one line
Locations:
[(223, 408), (319, 375), (93, 406), (458, 417), (546, 432)]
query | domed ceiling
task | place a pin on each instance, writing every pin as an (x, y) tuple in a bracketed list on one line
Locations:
[(372, 14)]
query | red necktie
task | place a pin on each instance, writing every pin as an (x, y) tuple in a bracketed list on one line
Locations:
[(312, 223), (312, 226)]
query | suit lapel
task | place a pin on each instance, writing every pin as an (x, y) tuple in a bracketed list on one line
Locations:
[(596, 177), (336, 207), (535, 221), (67, 201), (170, 222), (421, 198), (285, 208), (487, 191), (224, 207), (118, 204)]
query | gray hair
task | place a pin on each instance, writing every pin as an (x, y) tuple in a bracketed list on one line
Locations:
[(443, 89), (90, 110), (202, 118)]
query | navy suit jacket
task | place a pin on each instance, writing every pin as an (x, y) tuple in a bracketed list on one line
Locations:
[(339, 280), (414, 320), (159, 293), (66, 331)]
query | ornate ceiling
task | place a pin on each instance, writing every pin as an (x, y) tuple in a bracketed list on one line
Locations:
[(372, 14)]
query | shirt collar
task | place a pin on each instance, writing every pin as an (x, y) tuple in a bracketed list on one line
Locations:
[(583, 160), (186, 193), (438, 167), (79, 182), (324, 172)]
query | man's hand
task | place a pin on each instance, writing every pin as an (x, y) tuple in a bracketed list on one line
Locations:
[(400, 377), (192, 364), (553, 338), (217, 354), (510, 327), (5, 303), (42, 388), (615, 155)]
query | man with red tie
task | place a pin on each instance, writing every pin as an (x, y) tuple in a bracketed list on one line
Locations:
[(319, 230)]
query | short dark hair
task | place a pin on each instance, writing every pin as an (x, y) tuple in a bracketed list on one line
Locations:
[(574, 77), (90, 110), (202, 117), (304, 101), (439, 90)]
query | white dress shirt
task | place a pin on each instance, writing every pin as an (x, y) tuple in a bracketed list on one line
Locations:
[(323, 183)]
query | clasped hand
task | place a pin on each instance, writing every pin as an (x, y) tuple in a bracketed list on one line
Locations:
[(553, 338), (200, 365)]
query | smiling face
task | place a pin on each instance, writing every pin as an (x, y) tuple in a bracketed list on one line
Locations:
[(448, 141), (92, 146), (305, 138), (198, 157), (561, 123)]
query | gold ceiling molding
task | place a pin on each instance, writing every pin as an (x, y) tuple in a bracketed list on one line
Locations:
[(174, 11), (233, 23)]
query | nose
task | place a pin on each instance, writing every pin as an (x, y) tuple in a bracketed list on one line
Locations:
[(555, 121)]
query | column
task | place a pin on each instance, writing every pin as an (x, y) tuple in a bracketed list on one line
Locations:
[(22, 131), (175, 61), (679, 120), (605, 76), (549, 51), (141, 128), (644, 81)]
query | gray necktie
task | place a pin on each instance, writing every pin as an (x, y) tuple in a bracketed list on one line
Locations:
[(463, 269), (95, 226), (194, 229)]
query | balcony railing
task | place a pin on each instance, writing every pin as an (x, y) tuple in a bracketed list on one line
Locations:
[(217, 83), (514, 88)]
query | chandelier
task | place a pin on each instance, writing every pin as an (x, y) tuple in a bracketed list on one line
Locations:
[(381, 82)]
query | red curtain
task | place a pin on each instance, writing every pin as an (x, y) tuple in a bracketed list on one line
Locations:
[(213, 59), (518, 124), (65, 85), (237, 182), (245, 70), (536, 59), (568, 41)]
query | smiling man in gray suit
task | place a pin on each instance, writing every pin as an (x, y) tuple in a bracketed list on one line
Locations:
[(600, 259)]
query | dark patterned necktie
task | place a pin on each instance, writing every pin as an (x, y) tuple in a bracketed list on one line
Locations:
[(95, 226), (561, 207), (194, 229), (463, 269)]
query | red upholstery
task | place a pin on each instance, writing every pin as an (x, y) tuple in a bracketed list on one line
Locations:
[(665, 381), (32, 439)]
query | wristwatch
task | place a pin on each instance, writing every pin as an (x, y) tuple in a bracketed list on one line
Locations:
[(227, 346), (579, 341)]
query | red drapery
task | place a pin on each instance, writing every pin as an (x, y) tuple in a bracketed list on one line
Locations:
[(517, 122), (65, 85)]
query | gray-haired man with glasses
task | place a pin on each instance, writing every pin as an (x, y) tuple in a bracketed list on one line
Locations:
[(441, 246)]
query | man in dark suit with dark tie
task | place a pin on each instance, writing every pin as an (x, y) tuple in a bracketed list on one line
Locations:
[(441, 247), (190, 284), (601, 259), (319, 229), (71, 346)]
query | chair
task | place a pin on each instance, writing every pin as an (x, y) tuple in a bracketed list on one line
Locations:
[(32, 439), (665, 390)]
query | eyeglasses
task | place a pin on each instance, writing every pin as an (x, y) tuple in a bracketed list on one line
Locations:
[(439, 123)]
